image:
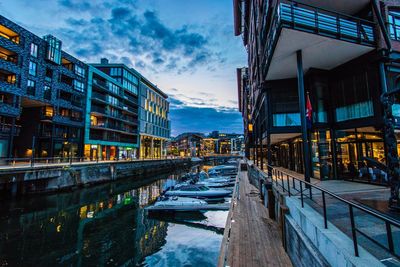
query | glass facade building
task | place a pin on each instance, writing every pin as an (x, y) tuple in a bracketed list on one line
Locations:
[(154, 123), (151, 109), (111, 124), (288, 65)]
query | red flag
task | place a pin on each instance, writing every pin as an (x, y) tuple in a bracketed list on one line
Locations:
[(308, 112)]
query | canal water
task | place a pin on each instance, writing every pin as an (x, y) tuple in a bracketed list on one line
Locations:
[(106, 225)]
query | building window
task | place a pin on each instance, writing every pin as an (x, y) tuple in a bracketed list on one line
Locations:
[(34, 50), (79, 86), (49, 111), (32, 68), (30, 89), (79, 71), (47, 92), (49, 75), (53, 51), (394, 25)]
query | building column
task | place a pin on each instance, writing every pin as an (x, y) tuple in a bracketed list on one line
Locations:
[(300, 87), (152, 148), (11, 139)]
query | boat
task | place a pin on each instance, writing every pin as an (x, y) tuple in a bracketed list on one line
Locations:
[(215, 185), (177, 203), (198, 191), (223, 170)]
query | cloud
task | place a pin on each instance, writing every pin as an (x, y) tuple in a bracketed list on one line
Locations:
[(121, 30)]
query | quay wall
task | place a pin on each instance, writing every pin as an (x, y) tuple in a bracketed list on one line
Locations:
[(44, 179)]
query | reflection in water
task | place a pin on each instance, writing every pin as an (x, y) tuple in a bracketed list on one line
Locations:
[(104, 225)]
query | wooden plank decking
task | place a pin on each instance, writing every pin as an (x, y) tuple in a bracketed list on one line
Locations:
[(250, 237)]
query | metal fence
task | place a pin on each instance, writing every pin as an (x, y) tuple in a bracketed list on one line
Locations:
[(308, 191)]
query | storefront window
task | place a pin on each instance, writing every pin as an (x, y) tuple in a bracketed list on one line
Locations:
[(361, 155), (321, 154)]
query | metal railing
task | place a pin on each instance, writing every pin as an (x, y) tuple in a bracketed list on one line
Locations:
[(295, 186), (70, 161)]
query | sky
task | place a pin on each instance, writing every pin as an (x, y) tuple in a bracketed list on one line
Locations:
[(186, 47)]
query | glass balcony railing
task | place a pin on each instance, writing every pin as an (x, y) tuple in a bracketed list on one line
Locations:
[(308, 18), (303, 17)]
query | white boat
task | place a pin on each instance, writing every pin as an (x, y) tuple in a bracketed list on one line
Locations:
[(199, 191), (223, 170), (175, 203), (215, 184)]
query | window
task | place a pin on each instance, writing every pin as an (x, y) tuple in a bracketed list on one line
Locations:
[(32, 68), (79, 71), (34, 50), (49, 112), (30, 89), (49, 75), (79, 86), (47, 92), (53, 52), (394, 25)]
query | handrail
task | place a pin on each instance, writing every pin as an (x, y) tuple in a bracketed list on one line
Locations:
[(329, 11), (386, 219)]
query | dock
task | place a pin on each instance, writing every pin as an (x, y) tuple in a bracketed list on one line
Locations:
[(251, 238)]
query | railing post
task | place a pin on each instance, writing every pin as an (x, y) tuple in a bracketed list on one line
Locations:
[(310, 188), (324, 207), (288, 184), (283, 183), (353, 230), (294, 184), (389, 237), (301, 194)]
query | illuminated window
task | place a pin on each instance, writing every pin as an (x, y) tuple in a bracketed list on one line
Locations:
[(250, 127), (49, 112)]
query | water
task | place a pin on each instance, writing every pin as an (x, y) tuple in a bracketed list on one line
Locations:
[(106, 225)]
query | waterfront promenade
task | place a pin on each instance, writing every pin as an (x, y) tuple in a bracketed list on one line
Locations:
[(251, 238)]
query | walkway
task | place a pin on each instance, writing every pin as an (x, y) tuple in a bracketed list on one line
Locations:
[(250, 237)]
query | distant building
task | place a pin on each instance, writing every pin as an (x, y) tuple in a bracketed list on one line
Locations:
[(189, 144), (42, 95), (155, 127)]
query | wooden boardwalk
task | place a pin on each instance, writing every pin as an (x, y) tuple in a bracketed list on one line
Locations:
[(250, 237)]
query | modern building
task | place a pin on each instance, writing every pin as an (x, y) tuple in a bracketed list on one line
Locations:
[(335, 58), (111, 124), (147, 105), (42, 92), (155, 127), (189, 144)]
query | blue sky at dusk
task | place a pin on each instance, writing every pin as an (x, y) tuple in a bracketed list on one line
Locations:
[(186, 47)]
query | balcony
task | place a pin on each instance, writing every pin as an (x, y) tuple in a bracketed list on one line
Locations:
[(313, 30), (8, 56), (9, 34), (7, 129)]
